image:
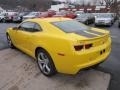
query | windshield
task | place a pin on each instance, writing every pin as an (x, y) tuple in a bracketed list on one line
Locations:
[(82, 16), (78, 12), (33, 14), (70, 26)]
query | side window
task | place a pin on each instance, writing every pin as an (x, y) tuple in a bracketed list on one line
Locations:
[(37, 27), (27, 26)]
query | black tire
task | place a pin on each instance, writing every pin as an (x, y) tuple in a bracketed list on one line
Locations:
[(49, 67), (95, 25), (87, 23), (119, 25), (3, 20), (10, 44)]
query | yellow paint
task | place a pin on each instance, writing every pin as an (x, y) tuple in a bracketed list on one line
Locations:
[(56, 42)]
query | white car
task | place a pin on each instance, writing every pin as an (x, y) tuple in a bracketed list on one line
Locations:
[(104, 19), (32, 15), (9, 16), (2, 17)]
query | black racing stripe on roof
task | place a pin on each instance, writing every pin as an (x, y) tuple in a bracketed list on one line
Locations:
[(82, 33), (95, 32)]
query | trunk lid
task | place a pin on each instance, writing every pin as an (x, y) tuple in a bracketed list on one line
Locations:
[(96, 37)]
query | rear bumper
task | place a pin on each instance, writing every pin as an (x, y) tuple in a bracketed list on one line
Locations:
[(72, 64), (104, 23)]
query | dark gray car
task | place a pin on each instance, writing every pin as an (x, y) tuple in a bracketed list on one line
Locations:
[(85, 18), (119, 22)]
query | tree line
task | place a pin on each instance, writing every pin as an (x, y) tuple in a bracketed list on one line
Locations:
[(29, 4)]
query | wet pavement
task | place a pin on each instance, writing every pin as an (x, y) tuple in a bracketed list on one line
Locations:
[(112, 65), (18, 71)]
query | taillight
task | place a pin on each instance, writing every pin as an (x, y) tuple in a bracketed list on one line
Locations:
[(78, 47), (87, 46)]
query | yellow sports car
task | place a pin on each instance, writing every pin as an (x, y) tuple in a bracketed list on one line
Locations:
[(60, 44)]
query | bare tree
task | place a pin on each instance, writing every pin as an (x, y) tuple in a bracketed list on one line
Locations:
[(30, 4), (107, 3), (94, 2), (101, 2), (112, 4)]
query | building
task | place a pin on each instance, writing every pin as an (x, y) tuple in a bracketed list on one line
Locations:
[(89, 9), (57, 5)]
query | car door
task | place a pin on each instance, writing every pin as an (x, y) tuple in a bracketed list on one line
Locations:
[(24, 34), (32, 39)]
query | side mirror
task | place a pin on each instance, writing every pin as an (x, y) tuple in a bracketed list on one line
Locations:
[(15, 28)]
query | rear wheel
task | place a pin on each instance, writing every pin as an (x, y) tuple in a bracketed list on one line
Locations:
[(10, 44), (45, 63)]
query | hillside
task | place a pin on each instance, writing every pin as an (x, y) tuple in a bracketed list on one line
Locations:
[(29, 4)]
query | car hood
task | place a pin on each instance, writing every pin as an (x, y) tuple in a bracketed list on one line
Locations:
[(80, 18), (88, 34), (103, 18), (1, 16), (28, 16)]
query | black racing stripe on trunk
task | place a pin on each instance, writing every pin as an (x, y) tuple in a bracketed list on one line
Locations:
[(82, 33), (95, 32)]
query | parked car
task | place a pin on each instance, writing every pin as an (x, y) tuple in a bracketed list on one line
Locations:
[(71, 15), (104, 19), (67, 14), (60, 45), (114, 15), (79, 13), (32, 15), (85, 18), (51, 13), (45, 14), (9, 16), (119, 22), (19, 17), (2, 17)]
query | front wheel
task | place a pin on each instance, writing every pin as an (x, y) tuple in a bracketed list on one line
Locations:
[(45, 63)]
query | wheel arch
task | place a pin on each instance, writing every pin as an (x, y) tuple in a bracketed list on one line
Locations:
[(37, 48)]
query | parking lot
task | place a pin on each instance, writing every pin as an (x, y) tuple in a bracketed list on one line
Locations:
[(20, 72)]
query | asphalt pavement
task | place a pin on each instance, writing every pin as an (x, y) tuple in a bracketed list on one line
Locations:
[(18, 71), (3, 28), (112, 65)]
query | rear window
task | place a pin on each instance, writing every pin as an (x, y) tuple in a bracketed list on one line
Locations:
[(70, 26)]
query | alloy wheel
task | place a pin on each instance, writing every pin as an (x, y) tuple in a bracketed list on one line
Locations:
[(43, 62)]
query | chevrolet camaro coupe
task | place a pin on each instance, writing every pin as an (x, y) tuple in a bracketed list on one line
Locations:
[(60, 44)]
